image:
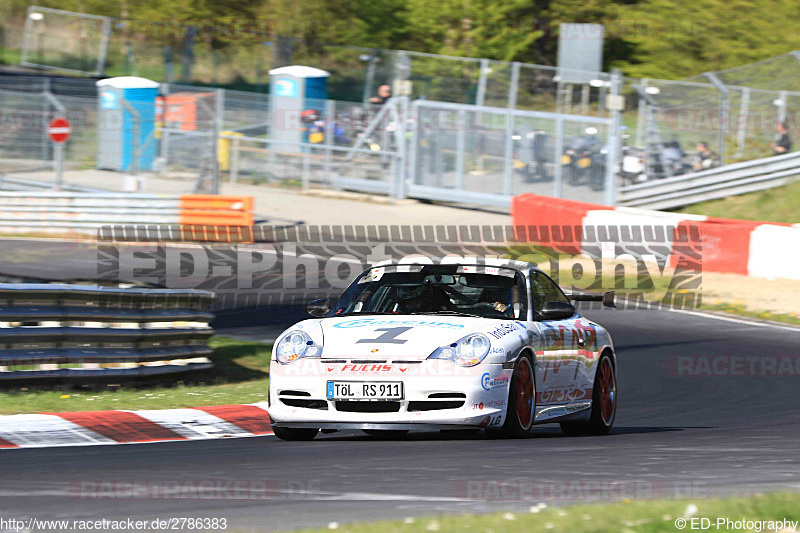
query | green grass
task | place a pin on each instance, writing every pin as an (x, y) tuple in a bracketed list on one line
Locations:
[(644, 516), (773, 205), (10, 56), (240, 376)]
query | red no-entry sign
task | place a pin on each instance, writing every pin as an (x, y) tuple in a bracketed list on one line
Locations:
[(59, 130)]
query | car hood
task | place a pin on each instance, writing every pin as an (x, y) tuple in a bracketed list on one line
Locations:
[(401, 337)]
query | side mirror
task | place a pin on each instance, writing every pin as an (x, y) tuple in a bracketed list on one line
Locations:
[(556, 311), (319, 308)]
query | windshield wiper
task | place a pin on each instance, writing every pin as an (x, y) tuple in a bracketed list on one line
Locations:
[(448, 312)]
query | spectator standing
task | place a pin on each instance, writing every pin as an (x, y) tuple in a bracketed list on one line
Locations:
[(783, 143)]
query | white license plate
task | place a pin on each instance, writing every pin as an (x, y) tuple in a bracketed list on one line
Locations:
[(365, 390)]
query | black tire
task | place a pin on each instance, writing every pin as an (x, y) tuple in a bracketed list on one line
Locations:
[(602, 416), (295, 433), (386, 434), (523, 376)]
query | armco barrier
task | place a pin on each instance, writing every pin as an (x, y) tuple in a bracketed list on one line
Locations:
[(86, 212), (76, 332), (761, 249), (729, 180)]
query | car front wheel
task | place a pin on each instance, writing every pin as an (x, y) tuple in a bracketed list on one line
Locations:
[(521, 400)]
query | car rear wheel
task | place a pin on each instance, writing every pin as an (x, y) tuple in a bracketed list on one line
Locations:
[(521, 400), (387, 434), (295, 433), (604, 403)]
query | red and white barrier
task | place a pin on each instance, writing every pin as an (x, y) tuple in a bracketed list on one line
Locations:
[(761, 249), (84, 428)]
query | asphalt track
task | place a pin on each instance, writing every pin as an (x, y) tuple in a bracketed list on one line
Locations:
[(691, 436)]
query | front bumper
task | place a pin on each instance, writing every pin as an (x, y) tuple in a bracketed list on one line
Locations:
[(437, 394)]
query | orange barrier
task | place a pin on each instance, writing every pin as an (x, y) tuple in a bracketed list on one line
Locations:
[(212, 217)]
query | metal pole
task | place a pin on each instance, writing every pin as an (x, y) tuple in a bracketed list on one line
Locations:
[(413, 155), (218, 117), (164, 129), (330, 106), (26, 35), (234, 155), (402, 162), (45, 113), (723, 109), (461, 125), (614, 134), (585, 99), (509, 142), (557, 167), (370, 77), (481, 96), (101, 58), (641, 116), (782, 106), (59, 164), (744, 110), (568, 99)]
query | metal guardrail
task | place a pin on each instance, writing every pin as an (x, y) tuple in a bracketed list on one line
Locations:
[(730, 180), (73, 331), (16, 184), (88, 212), (85, 210)]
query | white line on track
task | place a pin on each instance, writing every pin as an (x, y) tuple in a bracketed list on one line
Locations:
[(253, 494), (736, 320)]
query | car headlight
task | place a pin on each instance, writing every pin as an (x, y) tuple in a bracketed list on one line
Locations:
[(468, 351), (296, 345)]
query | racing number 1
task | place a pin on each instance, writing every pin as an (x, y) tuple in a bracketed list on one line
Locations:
[(389, 337)]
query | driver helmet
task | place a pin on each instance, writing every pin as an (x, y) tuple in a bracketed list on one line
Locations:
[(409, 293)]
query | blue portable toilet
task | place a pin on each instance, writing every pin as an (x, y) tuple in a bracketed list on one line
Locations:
[(125, 104), (293, 90)]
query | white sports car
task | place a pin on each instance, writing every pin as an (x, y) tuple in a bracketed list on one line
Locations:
[(496, 346)]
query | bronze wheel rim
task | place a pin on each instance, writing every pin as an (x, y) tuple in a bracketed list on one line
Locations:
[(524, 392)]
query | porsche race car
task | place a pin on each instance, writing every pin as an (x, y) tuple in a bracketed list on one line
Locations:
[(495, 346)]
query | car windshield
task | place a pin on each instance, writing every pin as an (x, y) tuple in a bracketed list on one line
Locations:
[(469, 290)]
